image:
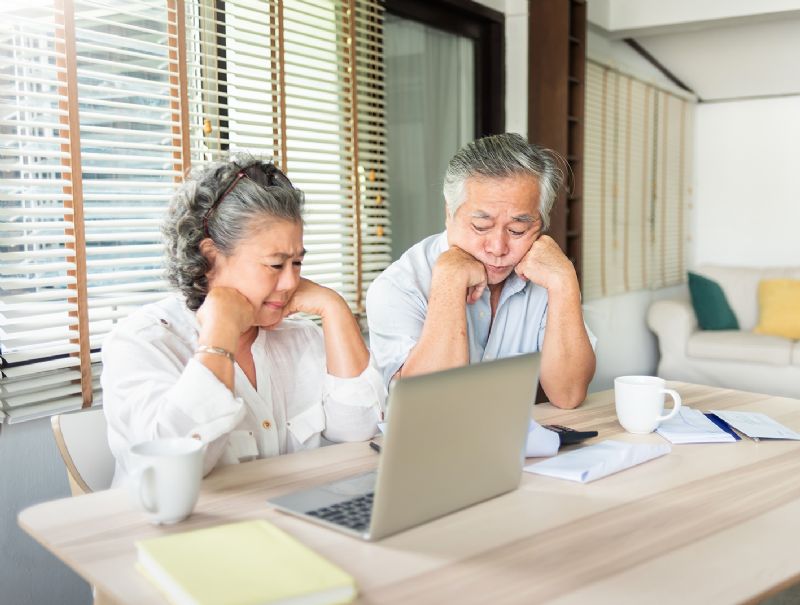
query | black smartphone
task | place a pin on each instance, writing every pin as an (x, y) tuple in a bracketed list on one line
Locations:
[(568, 436)]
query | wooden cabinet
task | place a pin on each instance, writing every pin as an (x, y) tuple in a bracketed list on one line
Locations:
[(556, 73)]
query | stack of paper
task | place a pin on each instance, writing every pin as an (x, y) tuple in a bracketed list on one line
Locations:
[(757, 426), (598, 460), (248, 563), (692, 426)]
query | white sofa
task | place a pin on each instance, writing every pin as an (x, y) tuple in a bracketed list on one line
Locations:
[(737, 359)]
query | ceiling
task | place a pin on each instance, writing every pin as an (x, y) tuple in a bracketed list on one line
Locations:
[(727, 50)]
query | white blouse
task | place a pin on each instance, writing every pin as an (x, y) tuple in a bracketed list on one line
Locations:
[(153, 387)]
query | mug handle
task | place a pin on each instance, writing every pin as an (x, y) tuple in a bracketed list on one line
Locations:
[(676, 401), (144, 477)]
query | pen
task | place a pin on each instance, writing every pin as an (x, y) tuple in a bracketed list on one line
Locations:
[(375, 446)]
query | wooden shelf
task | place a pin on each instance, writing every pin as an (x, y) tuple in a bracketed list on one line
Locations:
[(556, 89)]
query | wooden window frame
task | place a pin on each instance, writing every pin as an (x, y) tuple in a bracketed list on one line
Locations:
[(486, 27)]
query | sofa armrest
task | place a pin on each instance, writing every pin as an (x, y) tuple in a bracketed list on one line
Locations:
[(673, 321)]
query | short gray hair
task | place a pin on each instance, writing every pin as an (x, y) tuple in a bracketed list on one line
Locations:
[(198, 210), (501, 156)]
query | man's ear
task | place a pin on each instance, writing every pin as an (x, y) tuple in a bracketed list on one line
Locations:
[(210, 253), (447, 218)]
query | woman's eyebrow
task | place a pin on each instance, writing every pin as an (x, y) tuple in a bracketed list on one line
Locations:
[(284, 255)]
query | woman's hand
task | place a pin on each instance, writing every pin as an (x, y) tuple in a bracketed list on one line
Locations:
[(224, 316), (345, 352), (311, 298)]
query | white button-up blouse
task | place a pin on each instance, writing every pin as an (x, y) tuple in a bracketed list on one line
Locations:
[(153, 387)]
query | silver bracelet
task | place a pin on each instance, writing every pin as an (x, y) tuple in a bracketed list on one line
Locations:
[(215, 351)]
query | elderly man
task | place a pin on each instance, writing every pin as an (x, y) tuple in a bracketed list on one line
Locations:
[(492, 285)]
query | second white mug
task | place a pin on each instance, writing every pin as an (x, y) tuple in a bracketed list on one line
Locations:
[(639, 401)]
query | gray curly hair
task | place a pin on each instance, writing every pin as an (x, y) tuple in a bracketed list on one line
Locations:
[(197, 211), (500, 156)]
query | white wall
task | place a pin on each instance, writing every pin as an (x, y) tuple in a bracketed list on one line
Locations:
[(747, 198)]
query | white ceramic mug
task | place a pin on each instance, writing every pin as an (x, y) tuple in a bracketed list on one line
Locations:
[(640, 402), (165, 477)]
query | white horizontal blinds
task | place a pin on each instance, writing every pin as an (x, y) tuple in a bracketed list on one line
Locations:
[(613, 206), (593, 182), (320, 137), (275, 79), (635, 184), (93, 144), (371, 105), (636, 180), (232, 64), (640, 183), (129, 98), (673, 189), (40, 228)]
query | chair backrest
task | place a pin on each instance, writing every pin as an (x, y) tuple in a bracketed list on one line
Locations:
[(82, 439)]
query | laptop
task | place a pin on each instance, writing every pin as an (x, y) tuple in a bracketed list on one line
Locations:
[(453, 439)]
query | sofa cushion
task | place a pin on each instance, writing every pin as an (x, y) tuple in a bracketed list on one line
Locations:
[(710, 305), (736, 345), (779, 304), (740, 285)]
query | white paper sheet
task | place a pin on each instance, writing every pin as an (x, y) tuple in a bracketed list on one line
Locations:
[(598, 460), (692, 426), (541, 441), (757, 425)]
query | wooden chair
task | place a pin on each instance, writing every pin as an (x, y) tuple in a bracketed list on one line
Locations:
[(82, 439)]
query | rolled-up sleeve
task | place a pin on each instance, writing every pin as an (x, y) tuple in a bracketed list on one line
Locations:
[(395, 317), (353, 406), (152, 387)]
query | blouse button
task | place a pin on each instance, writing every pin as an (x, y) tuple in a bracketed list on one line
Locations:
[(266, 424)]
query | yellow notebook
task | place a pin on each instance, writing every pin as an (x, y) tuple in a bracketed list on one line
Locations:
[(248, 563)]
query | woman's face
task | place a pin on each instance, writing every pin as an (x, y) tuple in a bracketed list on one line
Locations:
[(264, 267)]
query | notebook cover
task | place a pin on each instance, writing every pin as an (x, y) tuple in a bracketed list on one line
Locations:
[(246, 563)]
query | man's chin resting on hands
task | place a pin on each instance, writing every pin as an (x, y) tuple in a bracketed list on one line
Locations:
[(491, 285)]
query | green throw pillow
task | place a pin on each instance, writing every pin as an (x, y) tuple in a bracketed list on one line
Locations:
[(710, 305)]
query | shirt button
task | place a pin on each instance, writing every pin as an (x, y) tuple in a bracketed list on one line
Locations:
[(266, 424), (196, 436)]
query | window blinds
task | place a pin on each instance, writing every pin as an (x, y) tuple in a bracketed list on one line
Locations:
[(288, 91), (636, 184), (105, 107)]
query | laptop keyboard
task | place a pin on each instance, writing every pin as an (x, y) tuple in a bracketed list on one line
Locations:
[(354, 513)]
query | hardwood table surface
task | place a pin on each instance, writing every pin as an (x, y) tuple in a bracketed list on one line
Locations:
[(707, 523)]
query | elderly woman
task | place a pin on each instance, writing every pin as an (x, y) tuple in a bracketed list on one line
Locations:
[(221, 362)]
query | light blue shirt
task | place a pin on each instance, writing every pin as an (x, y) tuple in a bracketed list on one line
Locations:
[(397, 304)]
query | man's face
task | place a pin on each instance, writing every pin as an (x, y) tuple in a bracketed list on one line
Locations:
[(497, 223)]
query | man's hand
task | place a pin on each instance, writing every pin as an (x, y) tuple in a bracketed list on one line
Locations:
[(455, 264), (546, 265)]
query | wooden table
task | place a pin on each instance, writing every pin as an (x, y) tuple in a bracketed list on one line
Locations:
[(713, 523)]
